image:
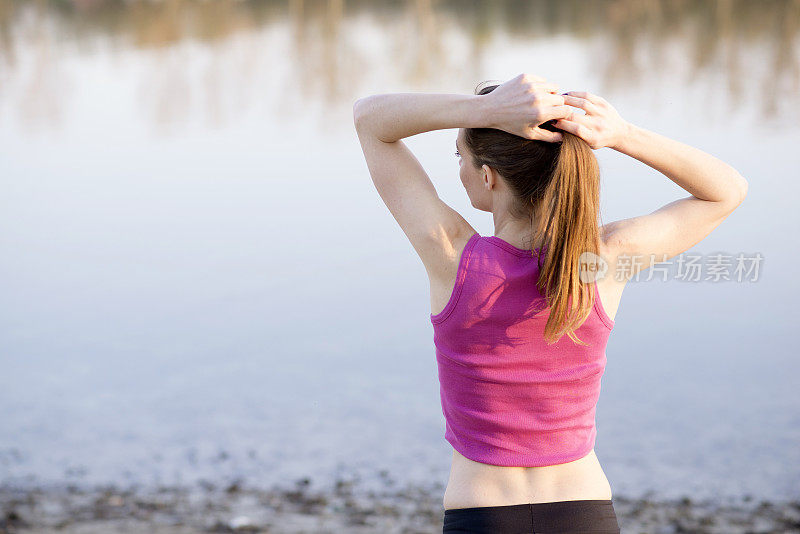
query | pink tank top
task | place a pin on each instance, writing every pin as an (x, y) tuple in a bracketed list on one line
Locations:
[(507, 397)]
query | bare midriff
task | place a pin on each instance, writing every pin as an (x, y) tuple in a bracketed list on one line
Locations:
[(473, 484)]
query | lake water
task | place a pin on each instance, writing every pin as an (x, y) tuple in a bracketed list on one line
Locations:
[(199, 281)]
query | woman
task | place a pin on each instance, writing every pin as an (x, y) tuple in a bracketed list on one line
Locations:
[(521, 318)]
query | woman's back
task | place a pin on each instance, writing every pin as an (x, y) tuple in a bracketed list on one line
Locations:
[(509, 398), (519, 413)]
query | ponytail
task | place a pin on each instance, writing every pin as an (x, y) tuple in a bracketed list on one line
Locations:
[(566, 218)]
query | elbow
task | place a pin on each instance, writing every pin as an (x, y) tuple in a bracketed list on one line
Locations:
[(738, 191), (368, 118), (360, 111), (741, 189), (357, 105), (357, 113)]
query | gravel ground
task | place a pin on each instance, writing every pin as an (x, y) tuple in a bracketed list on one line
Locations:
[(340, 508)]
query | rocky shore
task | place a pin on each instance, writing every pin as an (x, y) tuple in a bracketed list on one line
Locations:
[(341, 507)]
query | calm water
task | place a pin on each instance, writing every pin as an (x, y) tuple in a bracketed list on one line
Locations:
[(200, 282)]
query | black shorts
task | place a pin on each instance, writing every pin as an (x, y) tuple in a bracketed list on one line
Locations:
[(561, 517)]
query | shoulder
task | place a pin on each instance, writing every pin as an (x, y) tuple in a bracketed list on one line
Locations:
[(447, 247), (611, 247), (618, 239), (443, 274)]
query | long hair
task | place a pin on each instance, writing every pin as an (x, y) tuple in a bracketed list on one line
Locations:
[(557, 187)]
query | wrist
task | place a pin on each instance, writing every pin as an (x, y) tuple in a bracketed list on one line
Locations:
[(482, 115), (627, 131)]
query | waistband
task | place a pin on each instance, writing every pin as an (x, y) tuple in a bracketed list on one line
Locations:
[(579, 503), (585, 516)]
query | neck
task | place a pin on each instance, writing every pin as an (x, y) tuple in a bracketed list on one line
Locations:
[(518, 232)]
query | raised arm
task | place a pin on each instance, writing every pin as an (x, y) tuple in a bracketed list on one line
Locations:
[(436, 231), (715, 188), (382, 121)]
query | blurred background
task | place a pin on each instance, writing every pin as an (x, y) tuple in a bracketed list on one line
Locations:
[(200, 284)]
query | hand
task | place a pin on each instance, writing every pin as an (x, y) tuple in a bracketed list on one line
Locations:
[(522, 104), (600, 126)]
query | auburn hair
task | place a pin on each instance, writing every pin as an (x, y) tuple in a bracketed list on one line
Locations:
[(557, 186)]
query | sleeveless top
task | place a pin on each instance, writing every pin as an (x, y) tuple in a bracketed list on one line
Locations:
[(509, 398)]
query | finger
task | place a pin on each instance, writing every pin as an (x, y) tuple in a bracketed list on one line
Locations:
[(593, 98), (558, 112), (550, 99), (573, 127), (580, 102), (546, 135)]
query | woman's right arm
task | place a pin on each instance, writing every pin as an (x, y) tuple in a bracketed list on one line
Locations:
[(716, 188)]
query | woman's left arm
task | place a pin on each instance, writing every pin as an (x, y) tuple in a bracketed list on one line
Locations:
[(433, 227), (436, 231)]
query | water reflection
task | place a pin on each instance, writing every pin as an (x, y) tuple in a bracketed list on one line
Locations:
[(159, 290), (749, 50)]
